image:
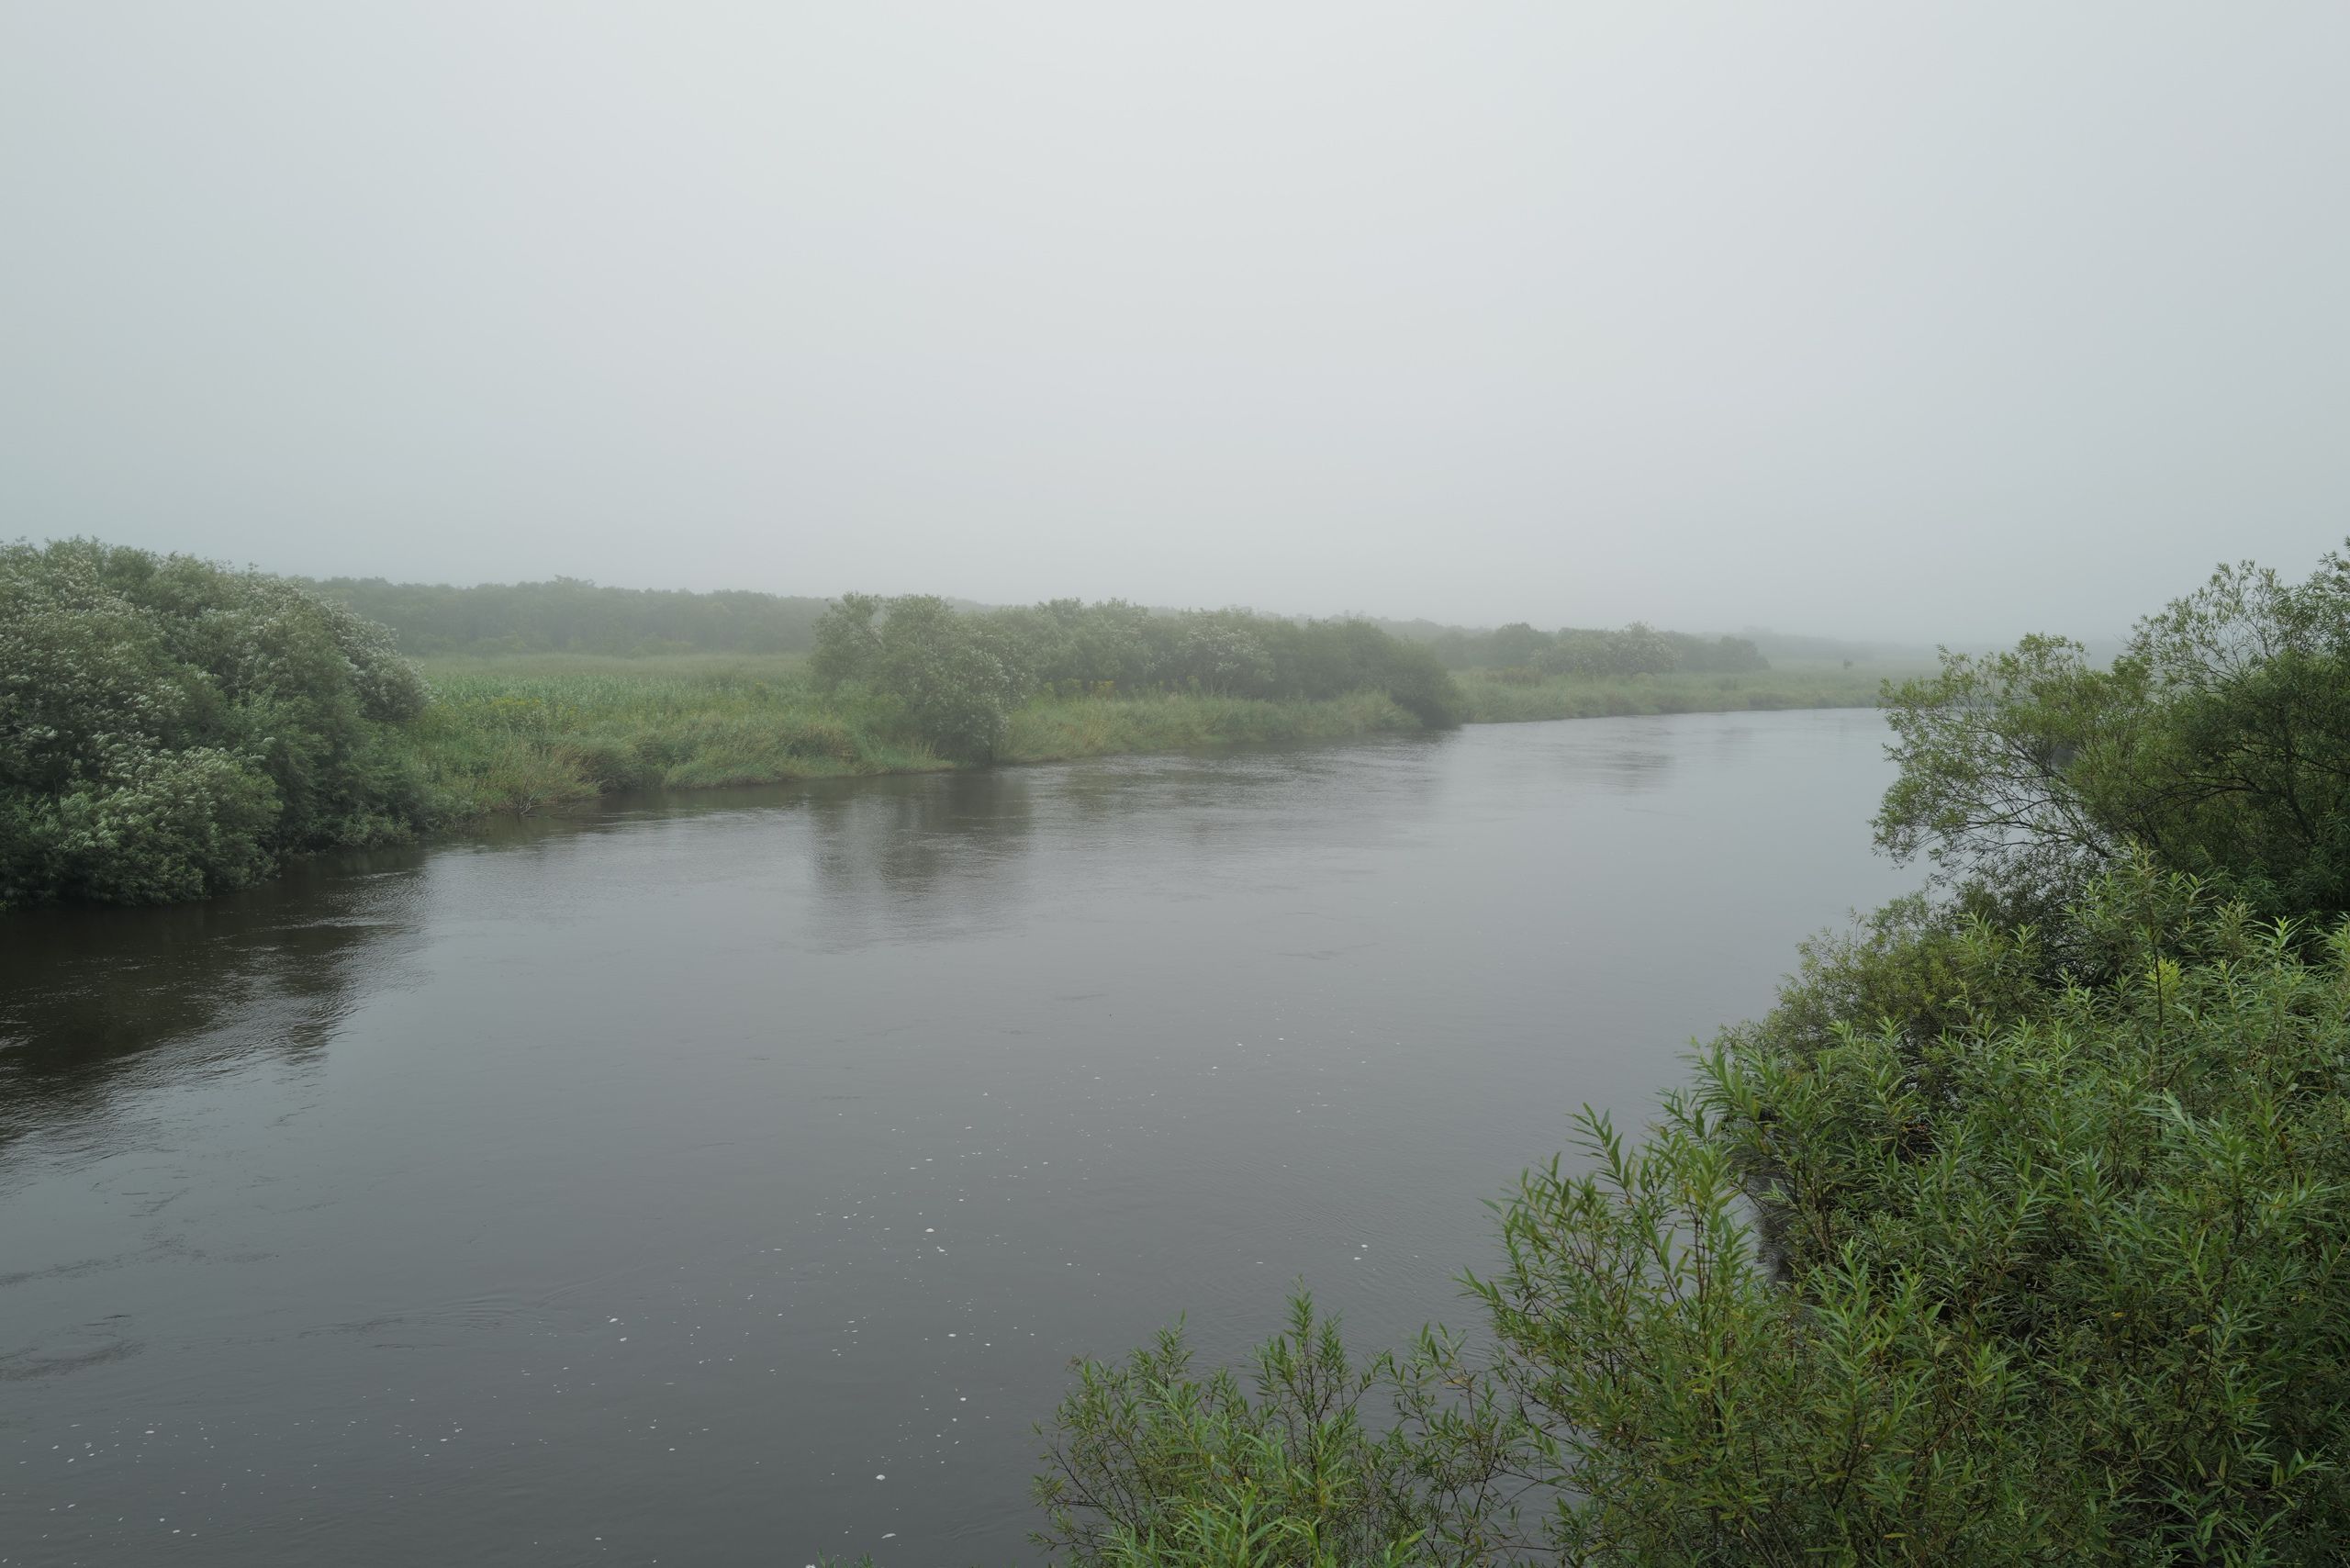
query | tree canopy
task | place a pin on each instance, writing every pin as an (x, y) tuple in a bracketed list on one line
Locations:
[(1637, 649), (2219, 741), (568, 615)]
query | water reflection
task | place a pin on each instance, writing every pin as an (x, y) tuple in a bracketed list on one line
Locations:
[(923, 856), (96, 1003), (642, 1185), (960, 854)]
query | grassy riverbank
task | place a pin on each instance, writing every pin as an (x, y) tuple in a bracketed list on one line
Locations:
[(1053, 730), (526, 734), (1498, 696), (532, 734), (171, 729)]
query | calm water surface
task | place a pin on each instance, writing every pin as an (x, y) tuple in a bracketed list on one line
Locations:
[(730, 1180)]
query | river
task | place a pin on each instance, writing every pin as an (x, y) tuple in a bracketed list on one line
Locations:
[(729, 1179)]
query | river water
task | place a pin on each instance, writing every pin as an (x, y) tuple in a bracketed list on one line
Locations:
[(729, 1179)]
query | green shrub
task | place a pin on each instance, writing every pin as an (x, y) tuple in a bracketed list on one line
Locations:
[(160, 827), (1957, 1258), (2019, 1232), (2219, 741), (1152, 1465), (957, 681), (169, 729)]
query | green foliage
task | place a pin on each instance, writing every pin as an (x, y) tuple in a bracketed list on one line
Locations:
[(523, 735), (1637, 649), (848, 643), (1413, 680), (1517, 694), (2126, 1197), (1519, 646), (528, 734), (1995, 752), (2219, 741), (1054, 729), (1958, 1257), (958, 679), (170, 729), (1925, 968), (955, 678), (2019, 1232), (1154, 1465)]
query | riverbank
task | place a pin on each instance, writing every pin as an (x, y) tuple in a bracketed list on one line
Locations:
[(527, 735), (1498, 697), (1056, 729)]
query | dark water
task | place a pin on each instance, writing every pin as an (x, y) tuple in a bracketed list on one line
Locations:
[(729, 1181)]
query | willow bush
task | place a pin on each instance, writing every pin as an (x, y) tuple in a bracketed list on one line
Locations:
[(957, 680), (170, 729), (1963, 1255), (2218, 741)]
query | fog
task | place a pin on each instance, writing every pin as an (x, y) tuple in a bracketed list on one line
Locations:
[(1863, 319)]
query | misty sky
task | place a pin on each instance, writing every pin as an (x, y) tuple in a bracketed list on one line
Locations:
[(1947, 321)]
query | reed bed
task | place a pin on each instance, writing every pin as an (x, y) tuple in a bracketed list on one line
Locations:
[(1503, 696), (539, 733), (528, 735), (1053, 730)]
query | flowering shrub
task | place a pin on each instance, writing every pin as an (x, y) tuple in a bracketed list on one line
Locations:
[(170, 729)]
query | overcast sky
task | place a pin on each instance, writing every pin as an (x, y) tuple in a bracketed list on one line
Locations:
[(1949, 321)]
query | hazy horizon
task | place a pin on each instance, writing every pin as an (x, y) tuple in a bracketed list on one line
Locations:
[(1898, 326)]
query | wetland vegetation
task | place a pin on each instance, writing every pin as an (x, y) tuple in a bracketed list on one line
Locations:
[(2019, 1232), (171, 729)]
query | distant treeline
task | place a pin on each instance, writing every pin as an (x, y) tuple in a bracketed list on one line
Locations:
[(1638, 649), (569, 616), (1475, 646)]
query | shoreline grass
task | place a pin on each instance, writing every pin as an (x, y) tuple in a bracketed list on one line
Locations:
[(532, 735), (1498, 697), (1060, 729), (535, 732)]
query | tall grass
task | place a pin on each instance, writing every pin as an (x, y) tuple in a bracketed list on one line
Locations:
[(1050, 730), (527, 735)]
